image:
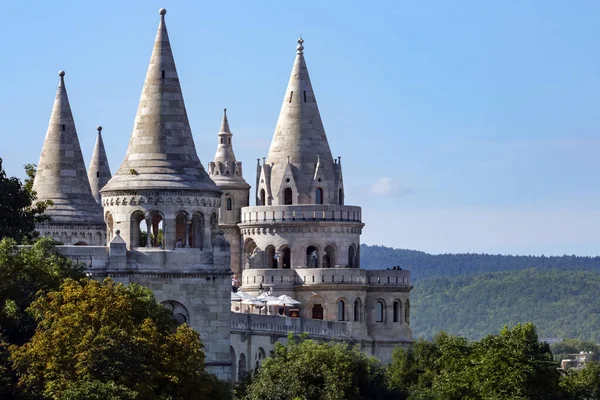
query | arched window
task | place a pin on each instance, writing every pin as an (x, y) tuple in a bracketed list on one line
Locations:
[(329, 259), (270, 256), (379, 311), (356, 310), (242, 367), (288, 196), (233, 364), (229, 204), (341, 197), (317, 311), (351, 256), (312, 257), (319, 196), (407, 312), (396, 312), (262, 197), (341, 310), (287, 258)]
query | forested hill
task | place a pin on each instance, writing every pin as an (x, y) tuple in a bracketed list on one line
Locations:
[(560, 303), (423, 265)]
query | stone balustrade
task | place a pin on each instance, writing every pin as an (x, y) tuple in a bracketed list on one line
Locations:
[(330, 276), (301, 212), (270, 324)]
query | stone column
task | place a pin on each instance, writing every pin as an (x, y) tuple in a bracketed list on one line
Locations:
[(148, 219), (186, 234)]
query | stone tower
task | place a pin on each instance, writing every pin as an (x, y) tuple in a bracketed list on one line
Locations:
[(226, 172), (161, 210), (99, 172), (76, 218), (299, 189), (302, 240)]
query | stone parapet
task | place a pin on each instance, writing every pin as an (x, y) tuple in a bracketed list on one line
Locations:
[(254, 278), (254, 323), (299, 213)]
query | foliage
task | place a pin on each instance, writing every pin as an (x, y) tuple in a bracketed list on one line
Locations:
[(114, 338), (19, 211), (510, 365), (423, 265), (582, 384), (25, 273), (309, 370), (560, 303)]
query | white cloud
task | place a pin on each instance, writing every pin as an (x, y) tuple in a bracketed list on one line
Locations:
[(386, 186)]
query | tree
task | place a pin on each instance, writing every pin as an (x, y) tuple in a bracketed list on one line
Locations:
[(510, 365), (309, 370), (25, 273), (582, 384), (19, 211), (115, 338), (515, 365)]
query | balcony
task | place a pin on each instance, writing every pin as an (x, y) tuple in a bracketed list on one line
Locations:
[(319, 276), (300, 212), (254, 323)]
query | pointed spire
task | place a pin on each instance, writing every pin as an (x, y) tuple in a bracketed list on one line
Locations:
[(61, 175), (99, 172), (224, 145), (299, 135), (224, 167), (161, 152)]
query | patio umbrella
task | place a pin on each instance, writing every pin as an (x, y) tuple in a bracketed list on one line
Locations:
[(236, 297), (288, 301), (245, 295)]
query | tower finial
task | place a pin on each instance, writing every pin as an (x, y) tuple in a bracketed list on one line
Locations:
[(300, 48), (162, 11), (99, 128)]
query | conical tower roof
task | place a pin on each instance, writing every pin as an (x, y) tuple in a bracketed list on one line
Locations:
[(161, 152), (299, 137), (225, 170), (99, 172), (224, 146), (61, 175)]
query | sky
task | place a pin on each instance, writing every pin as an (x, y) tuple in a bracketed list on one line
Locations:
[(463, 126)]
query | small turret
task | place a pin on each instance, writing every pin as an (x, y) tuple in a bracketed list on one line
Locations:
[(226, 172), (99, 172)]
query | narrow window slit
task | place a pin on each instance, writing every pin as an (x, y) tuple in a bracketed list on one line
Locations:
[(64, 127), (291, 95), (163, 74), (305, 96)]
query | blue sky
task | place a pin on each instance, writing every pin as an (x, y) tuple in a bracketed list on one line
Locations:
[(463, 126)]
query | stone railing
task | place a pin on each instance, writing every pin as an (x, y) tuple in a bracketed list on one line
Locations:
[(271, 324), (301, 212), (319, 276)]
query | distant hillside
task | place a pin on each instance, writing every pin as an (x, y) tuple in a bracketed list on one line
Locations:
[(423, 265), (560, 303)]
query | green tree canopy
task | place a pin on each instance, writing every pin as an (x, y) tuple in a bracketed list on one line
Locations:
[(19, 211), (113, 338), (313, 371), (25, 273), (511, 365)]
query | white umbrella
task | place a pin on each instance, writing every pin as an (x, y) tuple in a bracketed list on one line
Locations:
[(274, 302), (288, 301), (253, 302), (236, 297), (245, 295)]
